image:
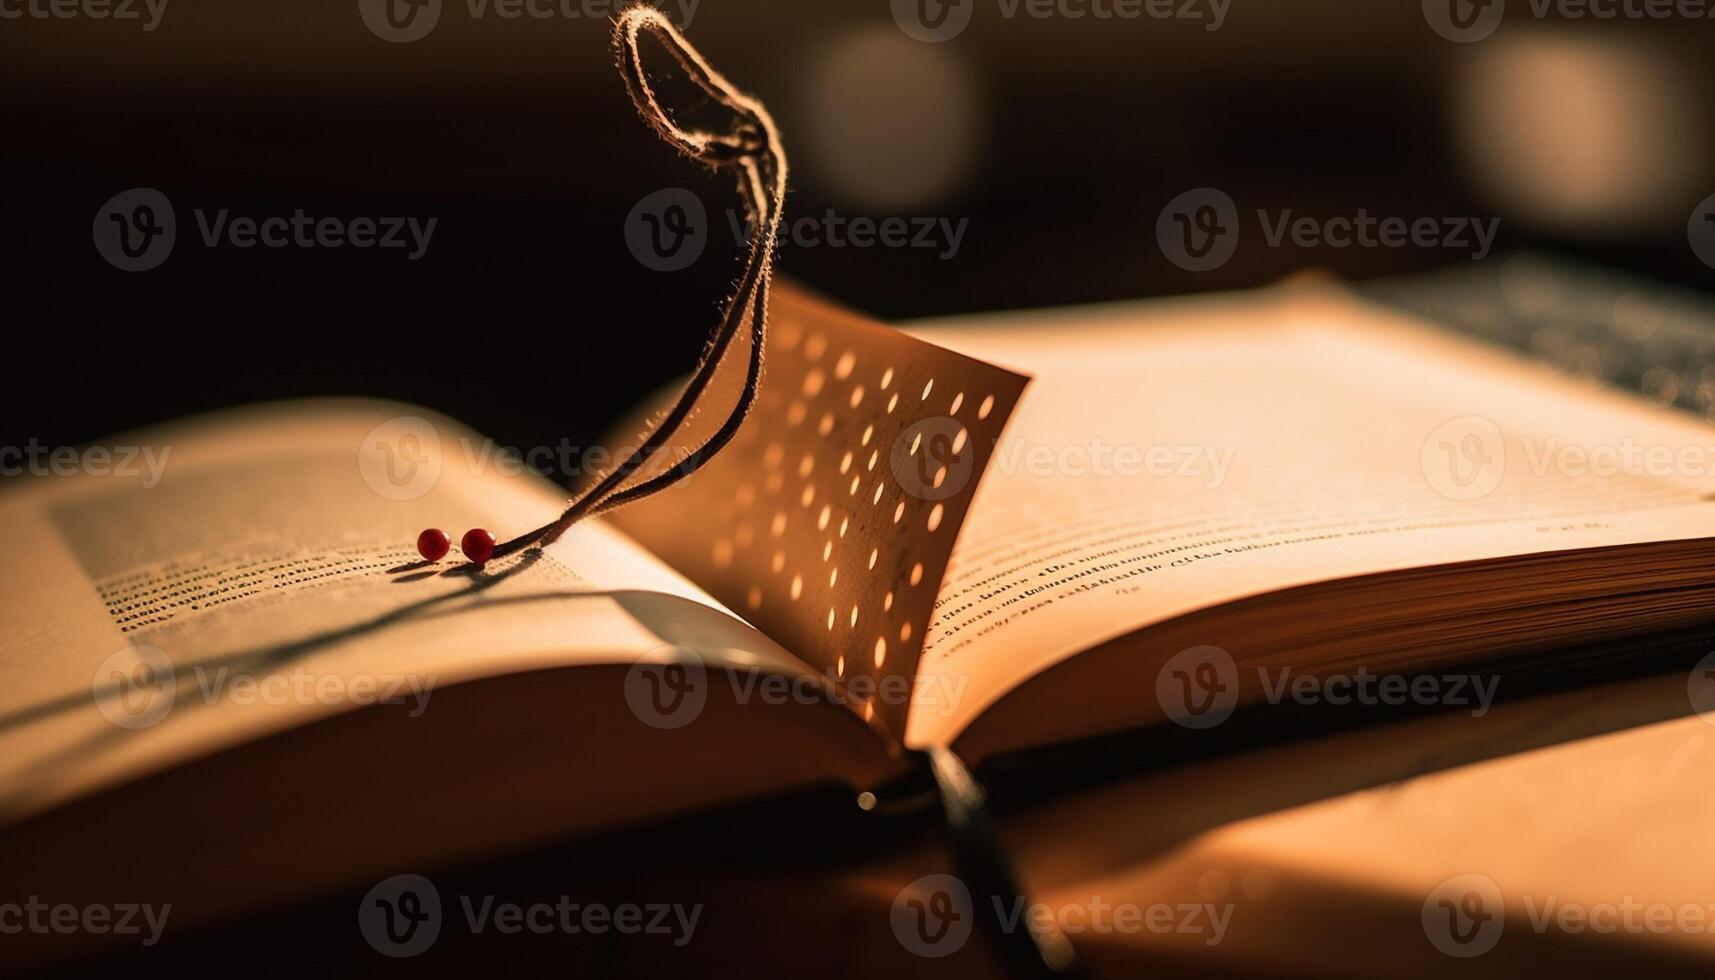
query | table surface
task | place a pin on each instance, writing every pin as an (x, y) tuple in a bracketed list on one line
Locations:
[(1568, 830)]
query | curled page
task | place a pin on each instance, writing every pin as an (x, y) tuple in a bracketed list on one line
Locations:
[(829, 519)]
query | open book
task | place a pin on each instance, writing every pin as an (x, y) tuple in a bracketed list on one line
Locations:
[(232, 682)]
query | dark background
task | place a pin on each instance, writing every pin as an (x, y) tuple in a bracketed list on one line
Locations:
[(1060, 141)]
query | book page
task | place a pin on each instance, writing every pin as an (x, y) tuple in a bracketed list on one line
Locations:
[(828, 519), (1175, 456), (262, 573)]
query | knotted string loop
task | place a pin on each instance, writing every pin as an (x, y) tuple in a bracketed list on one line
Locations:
[(751, 151)]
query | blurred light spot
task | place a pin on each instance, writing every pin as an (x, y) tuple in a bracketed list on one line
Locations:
[(1583, 133), (890, 122), (1214, 884)]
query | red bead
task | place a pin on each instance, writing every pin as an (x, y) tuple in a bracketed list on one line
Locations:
[(433, 543), (478, 545)]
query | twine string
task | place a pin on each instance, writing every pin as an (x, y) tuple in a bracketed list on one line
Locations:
[(751, 151)]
